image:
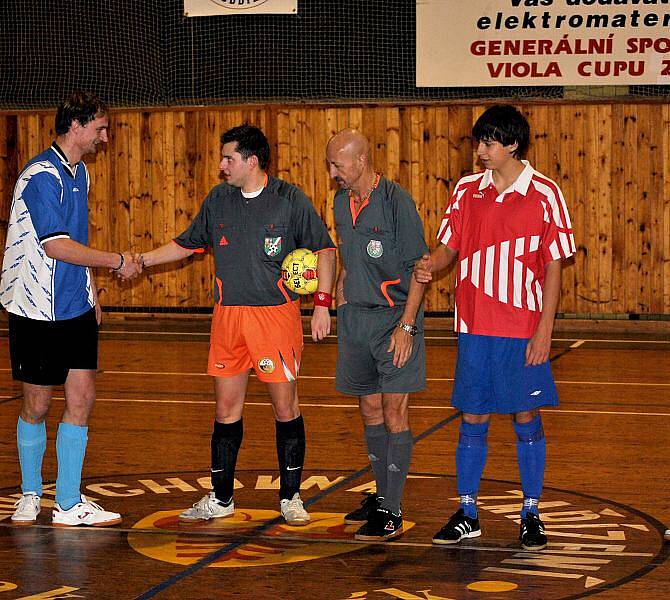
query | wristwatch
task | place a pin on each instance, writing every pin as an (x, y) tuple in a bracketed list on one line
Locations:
[(411, 329)]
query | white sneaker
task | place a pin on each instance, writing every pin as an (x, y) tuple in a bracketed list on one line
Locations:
[(667, 534), (208, 507), (84, 513), (293, 511), (27, 509)]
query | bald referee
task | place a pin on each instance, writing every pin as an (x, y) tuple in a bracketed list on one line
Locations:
[(381, 353)]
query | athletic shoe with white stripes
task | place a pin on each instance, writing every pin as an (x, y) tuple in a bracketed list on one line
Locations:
[(293, 511), (208, 507), (667, 534), (459, 527), (84, 513), (531, 533), (27, 509)]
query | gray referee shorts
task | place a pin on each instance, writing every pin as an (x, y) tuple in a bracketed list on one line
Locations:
[(364, 365)]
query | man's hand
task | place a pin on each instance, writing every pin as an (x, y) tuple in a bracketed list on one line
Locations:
[(132, 266), (423, 269), (401, 346), (320, 323), (538, 348)]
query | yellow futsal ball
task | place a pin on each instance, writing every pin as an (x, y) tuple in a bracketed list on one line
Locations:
[(298, 270)]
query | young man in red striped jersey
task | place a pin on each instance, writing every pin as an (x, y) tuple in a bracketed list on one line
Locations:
[(509, 230)]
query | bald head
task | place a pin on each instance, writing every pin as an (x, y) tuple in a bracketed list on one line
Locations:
[(348, 154), (350, 141)]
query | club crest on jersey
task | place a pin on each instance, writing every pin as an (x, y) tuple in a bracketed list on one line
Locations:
[(375, 249), (272, 245), (266, 365)]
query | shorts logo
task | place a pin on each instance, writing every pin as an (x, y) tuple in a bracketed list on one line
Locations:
[(272, 245), (219, 365), (266, 365), (375, 249)]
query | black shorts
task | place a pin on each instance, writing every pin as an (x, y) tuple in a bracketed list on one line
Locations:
[(43, 352)]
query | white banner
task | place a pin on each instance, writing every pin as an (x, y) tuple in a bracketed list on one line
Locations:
[(542, 42), (208, 8)]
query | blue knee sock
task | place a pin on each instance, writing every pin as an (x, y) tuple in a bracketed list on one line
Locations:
[(470, 462), (70, 449), (31, 440), (531, 448)]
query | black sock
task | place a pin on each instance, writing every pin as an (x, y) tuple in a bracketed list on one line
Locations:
[(291, 455), (398, 461), (226, 441)]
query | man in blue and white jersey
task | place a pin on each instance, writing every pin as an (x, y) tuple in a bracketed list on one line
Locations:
[(47, 289)]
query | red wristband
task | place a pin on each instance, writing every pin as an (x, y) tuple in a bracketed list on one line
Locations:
[(323, 299)]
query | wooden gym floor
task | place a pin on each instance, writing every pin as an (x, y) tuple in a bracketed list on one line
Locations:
[(607, 486)]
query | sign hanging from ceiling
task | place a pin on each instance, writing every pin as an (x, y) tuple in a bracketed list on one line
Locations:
[(209, 8), (542, 42)]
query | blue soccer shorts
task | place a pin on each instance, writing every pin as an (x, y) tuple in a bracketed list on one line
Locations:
[(491, 377)]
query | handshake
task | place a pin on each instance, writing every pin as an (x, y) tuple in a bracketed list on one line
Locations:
[(130, 266)]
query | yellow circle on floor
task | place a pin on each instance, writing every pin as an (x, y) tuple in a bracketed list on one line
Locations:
[(492, 586)]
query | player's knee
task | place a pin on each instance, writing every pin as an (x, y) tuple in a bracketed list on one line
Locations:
[(475, 419), (530, 432)]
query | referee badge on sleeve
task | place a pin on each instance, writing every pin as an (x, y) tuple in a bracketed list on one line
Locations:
[(375, 249)]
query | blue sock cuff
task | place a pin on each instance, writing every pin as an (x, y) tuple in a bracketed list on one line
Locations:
[(531, 432), (77, 432), (30, 434), (473, 434)]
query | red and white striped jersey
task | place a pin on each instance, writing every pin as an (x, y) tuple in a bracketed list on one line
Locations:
[(503, 243)]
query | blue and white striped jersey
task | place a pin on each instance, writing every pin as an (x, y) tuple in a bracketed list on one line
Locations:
[(50, 201)]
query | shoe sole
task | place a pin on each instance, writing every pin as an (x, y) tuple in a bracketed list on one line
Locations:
[(472, 534), (23, 523), (298, 523), (200, 520), (354, 522), (379, 538), (102, 524), (540, 547)]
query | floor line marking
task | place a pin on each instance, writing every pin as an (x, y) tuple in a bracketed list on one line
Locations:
[(352, 406)]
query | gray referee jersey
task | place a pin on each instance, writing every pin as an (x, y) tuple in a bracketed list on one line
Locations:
[(379, 246)]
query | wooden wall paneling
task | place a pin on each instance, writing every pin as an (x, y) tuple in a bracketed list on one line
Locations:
[(160, 137), (631, 199), (135, 174), (602, 117), (8, 170), (283, 143), (645, 199), (665, 231), (566, 181), (322, 193), (656, 197), (101, 216), (617, 200), (590, 143), (119, 292), (582, 290), (391, 119)]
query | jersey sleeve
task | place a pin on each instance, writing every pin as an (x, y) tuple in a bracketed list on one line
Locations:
[(198, 236), (309, 229), (409, 230), (450, 229), (43, 197), (558, 241)]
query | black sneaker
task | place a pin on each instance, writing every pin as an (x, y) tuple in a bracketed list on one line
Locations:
[(460, 526), (383, 525), (362, 514), (532, 533)]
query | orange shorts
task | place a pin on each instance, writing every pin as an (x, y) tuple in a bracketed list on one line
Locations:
[(267, 339)]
